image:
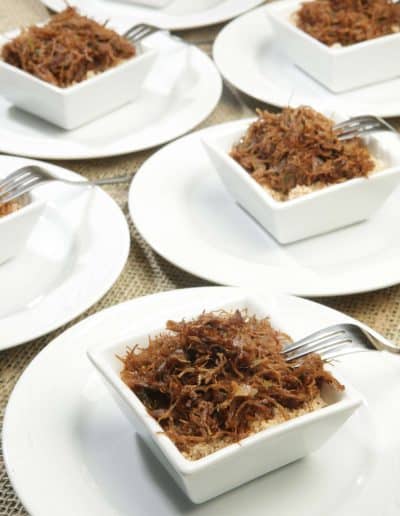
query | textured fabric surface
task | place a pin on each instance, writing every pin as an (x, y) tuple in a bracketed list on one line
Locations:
[(145, 272)]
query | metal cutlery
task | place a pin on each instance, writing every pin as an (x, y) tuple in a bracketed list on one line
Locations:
[(26, 178), (335, 341), (360, 125)]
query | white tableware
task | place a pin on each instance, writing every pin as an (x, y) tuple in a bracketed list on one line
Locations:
[(233, 465), (199, 228), (338, 68), (181, 90), (60, 408), (74, 255), (248, 55), (315, 213), (195, 5), (16, 227), (176, 15), (76, 105), (151, 3)]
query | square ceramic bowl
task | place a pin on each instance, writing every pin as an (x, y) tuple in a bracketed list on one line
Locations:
[(236, 464), (16, 228), (81, 103), (337, 68), (318, 212)]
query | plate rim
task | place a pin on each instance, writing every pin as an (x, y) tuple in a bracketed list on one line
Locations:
[(92, 299), (183, 264), (93, 320), (218, 43), (216, 82), (55, 5)]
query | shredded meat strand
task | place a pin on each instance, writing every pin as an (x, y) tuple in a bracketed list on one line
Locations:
[(68, 48), (214, 376), (299, 147), (8, 208), (348, 21)]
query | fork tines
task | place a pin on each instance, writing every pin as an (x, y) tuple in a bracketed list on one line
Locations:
[(17, 184), (359, 125), (139, 32)]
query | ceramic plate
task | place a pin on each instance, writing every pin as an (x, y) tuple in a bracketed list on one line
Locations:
[(74, 255), (155, 117), (61, 422), (247, 55), (179, 15), (198, 227)]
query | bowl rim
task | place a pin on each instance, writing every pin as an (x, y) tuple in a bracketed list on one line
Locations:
[(32, 205), (350, 399), (146, 52), (212, 141), (276, 10)]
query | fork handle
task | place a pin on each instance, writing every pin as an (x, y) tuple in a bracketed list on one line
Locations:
[(105, 181), (113, 180)]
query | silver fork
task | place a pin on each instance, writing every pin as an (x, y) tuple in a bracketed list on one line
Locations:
[(26, 178), (143, 30), (139, 32), (360, 125), (335, 341)]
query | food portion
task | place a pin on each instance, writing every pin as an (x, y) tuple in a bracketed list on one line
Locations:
[(216, 379), (67, 50), (295, 152), (8, 208), (345, 22)]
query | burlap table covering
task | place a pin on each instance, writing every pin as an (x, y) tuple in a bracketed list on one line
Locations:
[(145, 272)]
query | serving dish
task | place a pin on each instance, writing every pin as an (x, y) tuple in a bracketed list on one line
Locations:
[(235, 464), (249, 57), (60, 407), (188, 92), (313, 213), (74, 255), (17, 226), (76, 105), (200, 228), (177, 15), (339, 68)]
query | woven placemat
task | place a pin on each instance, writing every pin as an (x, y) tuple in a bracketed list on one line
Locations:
[(146, 272)]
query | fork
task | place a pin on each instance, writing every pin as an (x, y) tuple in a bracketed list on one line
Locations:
[(335, 341), (26, 178), (359, 125), (143, 30), (140, 31)]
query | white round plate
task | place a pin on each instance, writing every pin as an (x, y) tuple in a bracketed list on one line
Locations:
[(198, 227), (153, 119), (68, 449), (248, 57), (74, 255), (179, 15)]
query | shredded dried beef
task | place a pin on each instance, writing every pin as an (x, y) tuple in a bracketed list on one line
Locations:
[(212, 377), (8, 207), (348, 21), (299, 147), (68, 48)]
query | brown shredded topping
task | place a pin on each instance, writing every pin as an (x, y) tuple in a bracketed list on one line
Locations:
[(8, 208), (68, 48), (214, 376), (299, 147), (348, 21)]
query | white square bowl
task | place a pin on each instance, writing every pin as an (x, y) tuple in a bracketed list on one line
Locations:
[(83, 102), (16, 228), (238, 463), (318, 212), (337, 68)]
